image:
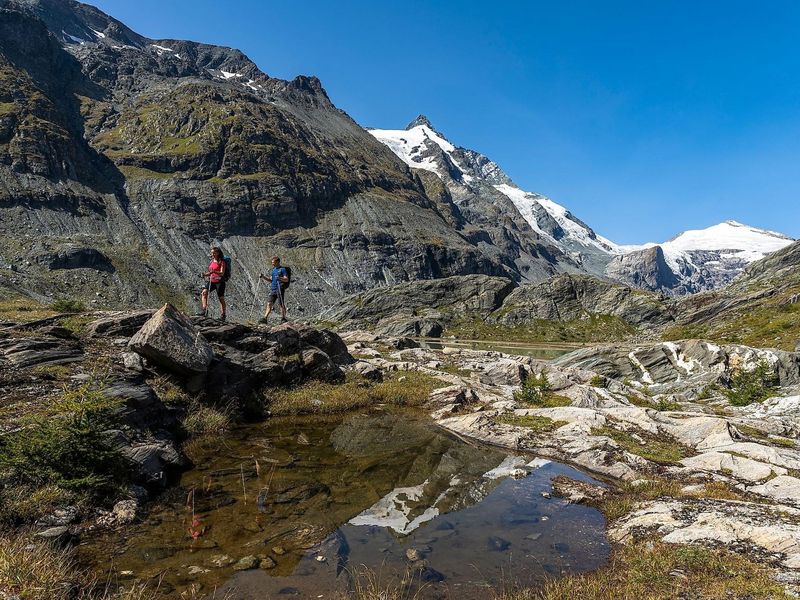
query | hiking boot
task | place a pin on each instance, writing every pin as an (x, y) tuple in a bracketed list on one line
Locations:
[(263, 321), (222, 317), (284, 319), (202, 313)]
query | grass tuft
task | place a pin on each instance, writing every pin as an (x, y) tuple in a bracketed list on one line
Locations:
[(650, 570), (535, 423), (402, 388), (659, 449)]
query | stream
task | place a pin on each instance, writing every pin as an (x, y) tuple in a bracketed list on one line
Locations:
[(326, 504)]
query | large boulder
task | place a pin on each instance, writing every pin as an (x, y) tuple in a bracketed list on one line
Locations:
[(170, 340)]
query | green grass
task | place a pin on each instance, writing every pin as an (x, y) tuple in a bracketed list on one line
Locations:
[(206, 420), (761, 323), (651, 570), (31, 570), (402, 388), (77, 323), (595, 328), (17, 308), (533, 422), (659, 449)]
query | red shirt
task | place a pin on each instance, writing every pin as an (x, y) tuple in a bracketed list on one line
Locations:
[(215, 268)]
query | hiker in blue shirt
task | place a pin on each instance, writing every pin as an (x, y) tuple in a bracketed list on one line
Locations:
[(278, 284)]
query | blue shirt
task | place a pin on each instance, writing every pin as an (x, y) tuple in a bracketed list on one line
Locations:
[(277, 272)]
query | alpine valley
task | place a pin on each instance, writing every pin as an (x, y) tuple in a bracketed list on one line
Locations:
[(471, 383)]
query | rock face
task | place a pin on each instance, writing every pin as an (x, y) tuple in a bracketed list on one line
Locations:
[(169, 339), (569, 297), (647, 269), (421, 307)]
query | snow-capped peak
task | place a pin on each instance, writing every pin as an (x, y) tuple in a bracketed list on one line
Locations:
[(731, 240), (422, 146), (419, 145)]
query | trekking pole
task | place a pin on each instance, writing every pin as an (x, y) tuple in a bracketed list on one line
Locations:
[(208, 297), (255, 298)]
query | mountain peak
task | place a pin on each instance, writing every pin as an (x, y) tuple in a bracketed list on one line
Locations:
[(420, 120)]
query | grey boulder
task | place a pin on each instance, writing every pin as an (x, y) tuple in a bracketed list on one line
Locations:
[(170, 340)]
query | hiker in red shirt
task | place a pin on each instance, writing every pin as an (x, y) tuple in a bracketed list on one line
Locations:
[(216, 281)]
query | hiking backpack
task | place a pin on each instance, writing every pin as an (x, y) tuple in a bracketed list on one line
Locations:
[(228, 264), (285, 285)]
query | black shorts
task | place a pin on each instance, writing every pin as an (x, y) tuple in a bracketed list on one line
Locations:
[(275, 296), (219, 287)]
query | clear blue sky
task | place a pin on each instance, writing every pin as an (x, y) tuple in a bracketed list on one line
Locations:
[(644, 118)]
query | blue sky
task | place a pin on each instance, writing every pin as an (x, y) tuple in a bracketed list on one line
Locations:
[(643, 118)]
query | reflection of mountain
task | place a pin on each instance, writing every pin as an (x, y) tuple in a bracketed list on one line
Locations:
[(433, 473)]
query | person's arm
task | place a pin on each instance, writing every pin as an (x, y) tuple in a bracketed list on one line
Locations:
[(284, 278)]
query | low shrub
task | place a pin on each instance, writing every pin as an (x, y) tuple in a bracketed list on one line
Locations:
[(752, 386), (70, 451), (67, 305)]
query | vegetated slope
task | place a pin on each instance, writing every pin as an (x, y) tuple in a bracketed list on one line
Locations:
[(695, 260), (122, 158), (760, 308)]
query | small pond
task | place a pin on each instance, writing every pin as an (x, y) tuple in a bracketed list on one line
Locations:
[(329, 503)]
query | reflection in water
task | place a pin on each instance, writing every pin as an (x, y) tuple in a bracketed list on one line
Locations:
[(314, 499)]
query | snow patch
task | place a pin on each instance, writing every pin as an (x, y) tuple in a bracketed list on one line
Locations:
[(228, 75), (74, 39), (97, 33)]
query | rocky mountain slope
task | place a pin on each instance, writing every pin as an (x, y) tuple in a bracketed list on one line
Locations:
[(695, 260), (122, 158)]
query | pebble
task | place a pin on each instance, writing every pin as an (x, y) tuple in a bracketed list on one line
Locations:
[(267, 563), (246, 563), (278, 550)]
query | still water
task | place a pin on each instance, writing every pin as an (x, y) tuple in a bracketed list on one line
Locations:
[(319, 506)]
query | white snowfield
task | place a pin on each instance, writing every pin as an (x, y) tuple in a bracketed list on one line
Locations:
[(732, 241)]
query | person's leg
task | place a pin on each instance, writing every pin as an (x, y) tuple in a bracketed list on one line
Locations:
[(269, 310), (204, 299), (222, 306)]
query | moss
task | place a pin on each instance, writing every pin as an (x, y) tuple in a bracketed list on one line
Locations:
[(659, 449), (535, 423), (597, 381), (7, 107), (76, 323)]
